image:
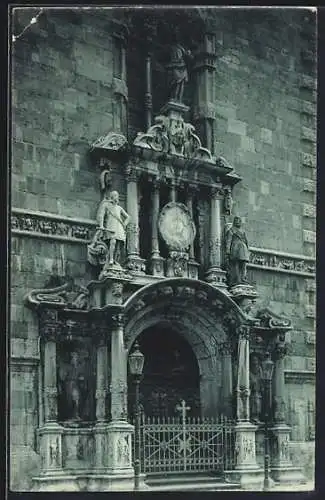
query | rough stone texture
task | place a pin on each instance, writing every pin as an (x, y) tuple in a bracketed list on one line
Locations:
[(63, 100)]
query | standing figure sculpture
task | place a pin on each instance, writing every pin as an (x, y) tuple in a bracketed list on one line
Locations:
[(177, 74), (73, 387), (237, 253), (112, 221)]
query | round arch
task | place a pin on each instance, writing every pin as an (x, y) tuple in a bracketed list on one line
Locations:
[(194, 309)]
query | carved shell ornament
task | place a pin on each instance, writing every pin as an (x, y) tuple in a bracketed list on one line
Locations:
[(176, 226)]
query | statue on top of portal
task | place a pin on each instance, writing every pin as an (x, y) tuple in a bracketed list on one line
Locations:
[(177, 74), (110, 236), (112, 220), (237, 253)]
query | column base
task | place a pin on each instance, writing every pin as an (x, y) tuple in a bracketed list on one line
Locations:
[(248, 479), (135, 265), (217, 277), (156, 265), (282, 469)]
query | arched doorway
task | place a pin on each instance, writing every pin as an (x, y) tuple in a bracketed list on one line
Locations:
[(171, 373)]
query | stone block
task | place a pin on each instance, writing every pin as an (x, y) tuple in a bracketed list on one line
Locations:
[(308, 160), (309, 185), (308, 108), (309, 210), (308, 134), (311, 338), (247, 143), (265, 187), (309, 236), (236, 127), (311, 364), (266, 135)]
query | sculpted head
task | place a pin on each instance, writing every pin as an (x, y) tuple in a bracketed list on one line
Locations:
[(114, 196), (237, 221)]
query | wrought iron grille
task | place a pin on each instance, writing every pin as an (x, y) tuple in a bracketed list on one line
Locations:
[(183, 444)]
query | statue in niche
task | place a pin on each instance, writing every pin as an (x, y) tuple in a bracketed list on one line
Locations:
[(177, 75), (237, 253), (256, 388), (112, 220), (73, 387)]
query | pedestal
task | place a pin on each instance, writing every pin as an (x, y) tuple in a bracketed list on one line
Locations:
[(216, 277), (101, 447), (51, 448), (156, 266), (247, 473), (135, 265), (113, 271), (282, 469), (120, 447), (193, 269)]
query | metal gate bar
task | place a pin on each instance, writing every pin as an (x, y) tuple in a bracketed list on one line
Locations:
[(181, 444)]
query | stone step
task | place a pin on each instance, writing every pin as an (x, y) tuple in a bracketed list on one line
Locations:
[(195, 487), (188, 481)]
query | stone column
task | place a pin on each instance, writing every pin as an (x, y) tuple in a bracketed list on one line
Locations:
[(148, 94), (204, 101), (157, 262), (135, 264), (50, 382), (247, 472), (193, 266), (101, 395), (282, 469), (215, 275), (225, 350), (118, 370), (119, 430), (173, 190), (51, 432)]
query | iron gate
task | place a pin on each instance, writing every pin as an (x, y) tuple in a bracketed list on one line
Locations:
[(185, 444)]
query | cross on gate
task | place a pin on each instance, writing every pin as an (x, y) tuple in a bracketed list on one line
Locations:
[(183, 408)]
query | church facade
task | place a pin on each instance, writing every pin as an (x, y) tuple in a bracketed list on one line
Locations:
[(162, 196)]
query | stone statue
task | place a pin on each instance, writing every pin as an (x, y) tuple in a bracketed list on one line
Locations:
[(237, 253), (73, 386), (177, 74), (256, 387), (112, 220)]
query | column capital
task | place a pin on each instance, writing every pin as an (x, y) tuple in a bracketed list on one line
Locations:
[(244, 332), (131, 172), (216, 191), (225, 348), (118, 320), (280, 350), (155, 181)]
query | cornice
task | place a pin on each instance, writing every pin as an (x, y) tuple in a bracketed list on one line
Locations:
[(29, 223)]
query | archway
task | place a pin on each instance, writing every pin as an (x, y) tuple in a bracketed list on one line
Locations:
[(171, 372), (200, 314)]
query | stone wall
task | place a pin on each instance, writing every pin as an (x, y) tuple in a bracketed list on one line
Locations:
[(63, 99)]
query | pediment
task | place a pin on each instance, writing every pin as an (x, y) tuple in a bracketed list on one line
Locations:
[(67, 296), (268, 319)]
